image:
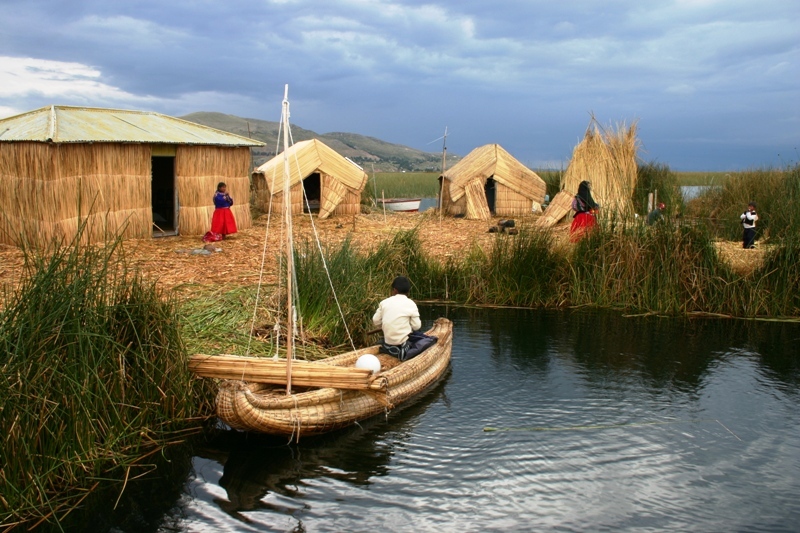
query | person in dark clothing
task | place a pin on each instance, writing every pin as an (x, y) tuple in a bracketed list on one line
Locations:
[(656, 214), (749, 218), (584, 208)]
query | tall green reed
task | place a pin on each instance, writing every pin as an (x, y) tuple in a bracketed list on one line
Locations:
[(94, 378)]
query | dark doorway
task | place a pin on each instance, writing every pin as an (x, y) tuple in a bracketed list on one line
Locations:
[(313, 189), (162, 186), (491, 192)]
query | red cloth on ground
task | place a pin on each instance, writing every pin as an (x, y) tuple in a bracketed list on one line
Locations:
[(223, 222), (581, 224)]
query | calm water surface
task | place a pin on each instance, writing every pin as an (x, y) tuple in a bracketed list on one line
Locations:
[(602, 423)]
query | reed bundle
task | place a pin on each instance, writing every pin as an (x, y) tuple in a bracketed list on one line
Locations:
[(607, 159), (260, 370), (558, 209)]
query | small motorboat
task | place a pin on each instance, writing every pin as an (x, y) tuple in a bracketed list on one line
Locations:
[(401, 205)]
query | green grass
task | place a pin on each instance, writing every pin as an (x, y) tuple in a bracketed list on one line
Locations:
[(704, 178), (402, 185)]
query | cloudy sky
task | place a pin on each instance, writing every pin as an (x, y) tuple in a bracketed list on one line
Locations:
[(712, 84)]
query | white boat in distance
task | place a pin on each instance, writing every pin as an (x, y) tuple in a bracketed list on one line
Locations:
[(404, 205)]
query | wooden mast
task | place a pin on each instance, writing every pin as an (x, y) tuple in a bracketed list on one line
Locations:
[(287, 213), (441, 185)]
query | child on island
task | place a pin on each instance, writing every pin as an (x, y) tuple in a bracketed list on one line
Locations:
[(222, 222)]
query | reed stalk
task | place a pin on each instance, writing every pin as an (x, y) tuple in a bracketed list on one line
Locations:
[(94, 378)]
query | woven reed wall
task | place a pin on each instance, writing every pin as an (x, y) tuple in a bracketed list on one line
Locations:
[(607, 159), (350, 204), (277, 201), (48, 188), (459, 207), (508, 202), (198, 169)]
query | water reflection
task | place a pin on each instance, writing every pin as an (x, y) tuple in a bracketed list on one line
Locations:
[(255, 466), (610, 423)]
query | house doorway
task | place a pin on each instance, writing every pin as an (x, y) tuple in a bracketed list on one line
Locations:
[(313, 189), (164, 196), (490, 190)]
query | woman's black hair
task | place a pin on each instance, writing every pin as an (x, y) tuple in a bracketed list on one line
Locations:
[(585, 194)]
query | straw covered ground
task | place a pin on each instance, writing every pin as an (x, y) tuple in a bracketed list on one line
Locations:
[(177, 264)]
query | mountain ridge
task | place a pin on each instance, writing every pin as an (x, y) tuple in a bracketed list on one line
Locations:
[(368, 152)]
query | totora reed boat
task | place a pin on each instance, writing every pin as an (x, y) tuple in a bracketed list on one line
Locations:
[(297, 398)]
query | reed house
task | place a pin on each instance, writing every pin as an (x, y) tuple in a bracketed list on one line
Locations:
[(133, 173), (489, 181), (332, 183)]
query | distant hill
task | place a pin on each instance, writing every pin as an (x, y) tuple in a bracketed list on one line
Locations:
[(366, 151)]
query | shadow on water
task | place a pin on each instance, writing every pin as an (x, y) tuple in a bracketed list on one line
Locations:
[(256, 465)]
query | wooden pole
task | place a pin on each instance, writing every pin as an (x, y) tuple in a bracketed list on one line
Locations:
[(287, 213), (441, 184)]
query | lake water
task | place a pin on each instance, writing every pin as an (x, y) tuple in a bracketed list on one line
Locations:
[(602, 423)]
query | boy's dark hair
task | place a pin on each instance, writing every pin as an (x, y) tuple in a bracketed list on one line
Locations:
[(752, 204), (221, 184), (401, 284)]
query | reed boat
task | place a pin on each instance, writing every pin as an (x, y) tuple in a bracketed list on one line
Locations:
[(329, 394), (294, 397)]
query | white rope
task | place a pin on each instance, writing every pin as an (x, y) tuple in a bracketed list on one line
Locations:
[(261, 272), (322, 255), (290, 335)]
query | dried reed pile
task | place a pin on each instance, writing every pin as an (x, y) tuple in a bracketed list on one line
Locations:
[(198, 169), (607, 159), (48, 188)]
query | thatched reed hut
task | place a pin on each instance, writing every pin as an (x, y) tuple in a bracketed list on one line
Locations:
[(607, 159), (332, 183), (489, 181), (132, 173)]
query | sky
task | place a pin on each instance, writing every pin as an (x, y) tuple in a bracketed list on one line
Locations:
[(712, 85)]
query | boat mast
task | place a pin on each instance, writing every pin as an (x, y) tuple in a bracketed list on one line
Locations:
[(441, 185), (287, 213)]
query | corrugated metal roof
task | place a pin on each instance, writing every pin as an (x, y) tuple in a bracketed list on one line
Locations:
[(67, 124)]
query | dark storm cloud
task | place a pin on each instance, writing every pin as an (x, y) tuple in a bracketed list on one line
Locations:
[(713, 84)]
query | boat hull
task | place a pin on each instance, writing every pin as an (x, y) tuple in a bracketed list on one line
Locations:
[(402, 205), (265, 409)]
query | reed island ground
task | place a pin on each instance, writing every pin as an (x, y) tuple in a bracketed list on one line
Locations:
[(176, 264)]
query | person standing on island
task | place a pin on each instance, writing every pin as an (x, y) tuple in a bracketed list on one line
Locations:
[(222, 222), (584, 208), (749, 218), (656, 214), (398, 317)]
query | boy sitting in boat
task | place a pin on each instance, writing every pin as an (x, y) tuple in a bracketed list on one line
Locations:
[(398, 317)]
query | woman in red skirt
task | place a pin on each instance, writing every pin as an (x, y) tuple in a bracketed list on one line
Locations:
[(222, 223), (585, 208)]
